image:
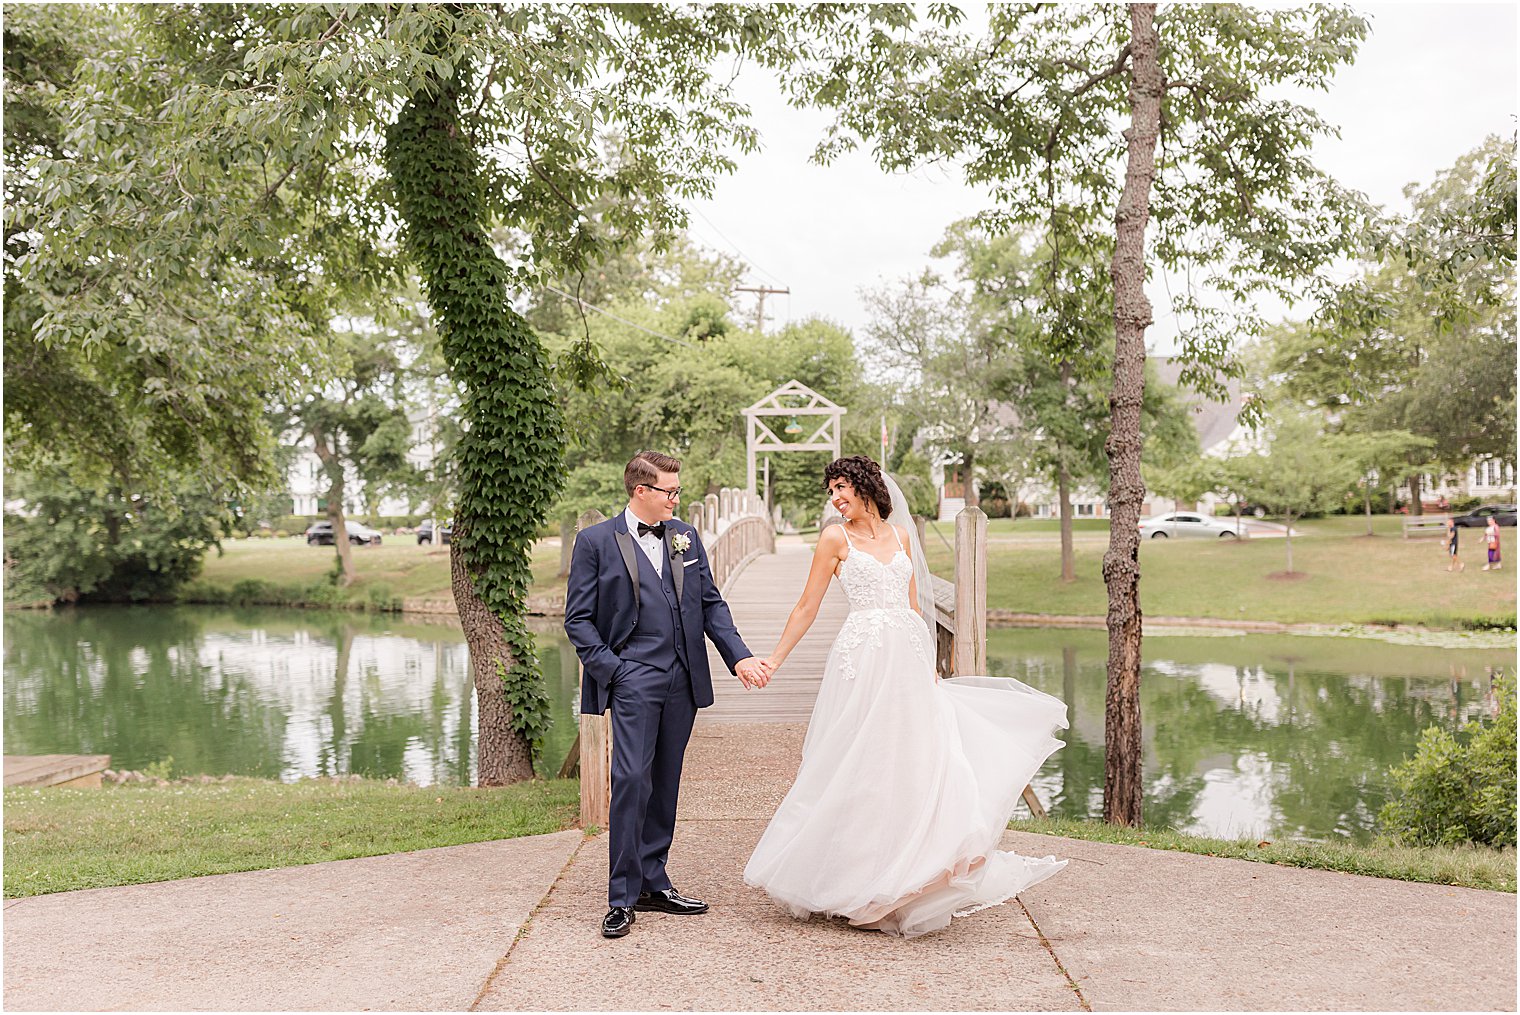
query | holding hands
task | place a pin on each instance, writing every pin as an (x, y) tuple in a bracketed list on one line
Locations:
[(753, 673)]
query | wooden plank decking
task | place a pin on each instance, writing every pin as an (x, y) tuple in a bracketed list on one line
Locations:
[(55, 769), (761, 598)]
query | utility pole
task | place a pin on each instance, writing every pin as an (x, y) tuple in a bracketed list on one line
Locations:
[(761, 292)]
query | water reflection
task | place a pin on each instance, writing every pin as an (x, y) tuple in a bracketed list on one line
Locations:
[(1261, 735), (272, 693), (1251, 735)]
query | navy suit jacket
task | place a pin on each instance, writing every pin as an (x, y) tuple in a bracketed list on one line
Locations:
[(602, 607)]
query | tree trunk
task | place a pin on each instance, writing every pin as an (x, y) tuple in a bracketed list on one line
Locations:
[(1122, 763), (1288, 541), (1063, 490), (508, 459), (503, 756), (1367, 503), (566, 544), (1416, 497), (972, 500), (334, 470)]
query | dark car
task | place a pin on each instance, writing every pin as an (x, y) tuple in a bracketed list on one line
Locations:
[(1504, 513), (321, 534), (425, 533)]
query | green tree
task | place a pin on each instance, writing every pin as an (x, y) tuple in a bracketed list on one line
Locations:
[(359, 424), (82, 543), (161, 289), (1302, 469), (1054, 389), (1042, 109), (923, 333), (318, 126), (1379, 454), (1423, 340)]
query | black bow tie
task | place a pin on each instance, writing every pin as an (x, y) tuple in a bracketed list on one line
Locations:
[(658, 530)]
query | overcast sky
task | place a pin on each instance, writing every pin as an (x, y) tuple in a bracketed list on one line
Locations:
[(1429, 84)]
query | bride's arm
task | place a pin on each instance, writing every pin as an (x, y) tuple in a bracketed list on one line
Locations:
[(825, 560)]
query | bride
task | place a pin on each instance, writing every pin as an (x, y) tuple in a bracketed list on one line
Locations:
[(907, 782)]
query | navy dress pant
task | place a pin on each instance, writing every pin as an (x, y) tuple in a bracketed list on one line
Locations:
[(652, 716)]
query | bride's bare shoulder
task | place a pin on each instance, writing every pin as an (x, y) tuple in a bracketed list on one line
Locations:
[(831, 540)]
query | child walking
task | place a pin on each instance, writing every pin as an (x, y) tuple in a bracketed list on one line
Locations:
[(1452, 563), (1492, 532)]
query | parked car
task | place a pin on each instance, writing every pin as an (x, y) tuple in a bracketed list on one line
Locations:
[(1504, 513), (425, 533), (321, 534), (1186, 525)]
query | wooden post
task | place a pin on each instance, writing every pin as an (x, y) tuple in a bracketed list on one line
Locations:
[(596, 770), (970, 592), (593, 746)]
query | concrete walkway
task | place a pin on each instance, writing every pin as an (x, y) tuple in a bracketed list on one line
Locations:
[(513, 925)]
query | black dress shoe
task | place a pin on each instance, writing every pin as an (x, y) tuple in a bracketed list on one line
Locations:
[(669, 901), (618, 921)]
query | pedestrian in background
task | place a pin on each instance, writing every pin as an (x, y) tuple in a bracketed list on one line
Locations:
[(1452, 563), (1492, 532)]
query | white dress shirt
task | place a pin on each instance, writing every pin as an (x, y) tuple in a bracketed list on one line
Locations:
[(653, 548)]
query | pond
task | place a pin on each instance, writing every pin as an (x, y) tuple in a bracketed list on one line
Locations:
[(1261, 735)]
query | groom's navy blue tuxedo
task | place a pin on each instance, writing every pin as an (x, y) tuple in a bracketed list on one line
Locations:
[(639, 635)]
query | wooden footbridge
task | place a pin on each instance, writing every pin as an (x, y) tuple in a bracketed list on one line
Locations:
[(740, 541)]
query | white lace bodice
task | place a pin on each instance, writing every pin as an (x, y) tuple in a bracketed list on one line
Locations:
[(871, 585), (879, 600)]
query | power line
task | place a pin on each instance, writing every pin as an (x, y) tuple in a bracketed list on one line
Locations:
[(615, 317), (750, 260)]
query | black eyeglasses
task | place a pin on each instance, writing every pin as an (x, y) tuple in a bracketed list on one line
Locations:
[(669, 494)]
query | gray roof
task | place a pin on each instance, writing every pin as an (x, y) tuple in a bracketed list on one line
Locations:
[(1213, 421)]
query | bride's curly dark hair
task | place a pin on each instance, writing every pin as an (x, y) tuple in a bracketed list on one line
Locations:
[(865, 476)]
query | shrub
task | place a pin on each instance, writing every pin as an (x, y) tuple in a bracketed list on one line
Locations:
[(1459, 788), (1505, 622), (1462, 505), (379, 597)]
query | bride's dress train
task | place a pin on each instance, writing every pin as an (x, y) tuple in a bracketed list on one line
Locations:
[(906, 785)]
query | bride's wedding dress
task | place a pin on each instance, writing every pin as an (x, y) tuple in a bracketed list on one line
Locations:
[(906, 785)]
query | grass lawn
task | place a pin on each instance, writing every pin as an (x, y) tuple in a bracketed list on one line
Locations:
[(57, 840), (1341, 577), (1468, 866), (397, 568)]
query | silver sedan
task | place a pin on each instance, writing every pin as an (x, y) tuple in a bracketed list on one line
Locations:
[(1186, 525)]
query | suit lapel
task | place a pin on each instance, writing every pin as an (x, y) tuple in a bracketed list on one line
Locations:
[(627, 549), (674, 562)]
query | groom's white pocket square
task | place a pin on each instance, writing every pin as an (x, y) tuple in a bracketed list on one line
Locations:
[(689, 563)]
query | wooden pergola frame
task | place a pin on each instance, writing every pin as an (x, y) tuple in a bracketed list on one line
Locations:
[(759, 437)]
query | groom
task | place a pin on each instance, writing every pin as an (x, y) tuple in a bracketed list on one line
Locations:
[(639, 599)]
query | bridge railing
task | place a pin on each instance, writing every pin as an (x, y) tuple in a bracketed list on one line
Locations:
[(734, 528)]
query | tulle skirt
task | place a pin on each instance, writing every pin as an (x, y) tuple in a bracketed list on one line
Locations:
[(906, 786)]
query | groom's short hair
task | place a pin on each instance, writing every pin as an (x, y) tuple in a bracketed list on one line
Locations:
[(645, 467)]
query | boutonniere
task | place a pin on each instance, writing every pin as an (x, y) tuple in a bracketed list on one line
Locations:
[(680, 542)]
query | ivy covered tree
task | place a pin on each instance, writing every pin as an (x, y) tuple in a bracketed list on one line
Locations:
[(577, 128), (254, 158)]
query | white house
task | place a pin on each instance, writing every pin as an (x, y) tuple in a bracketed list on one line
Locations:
[(308, 483)]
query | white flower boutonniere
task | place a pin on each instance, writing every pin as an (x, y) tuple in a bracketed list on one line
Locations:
[(680, 542)]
